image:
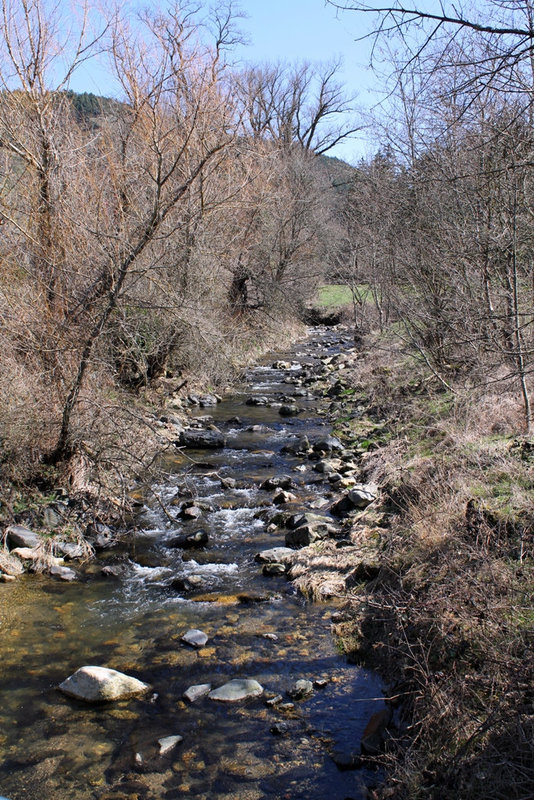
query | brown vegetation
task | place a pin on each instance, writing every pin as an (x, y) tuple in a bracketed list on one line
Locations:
[(164, 237), (448, 621)]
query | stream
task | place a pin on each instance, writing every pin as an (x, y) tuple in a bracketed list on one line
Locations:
[(54, 748)]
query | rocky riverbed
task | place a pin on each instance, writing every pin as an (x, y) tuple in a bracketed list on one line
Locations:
[(205, 600)]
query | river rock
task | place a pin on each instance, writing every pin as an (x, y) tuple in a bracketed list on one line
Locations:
[(257, 401), (274, 569), (70, 550), (206, 400), (346, 759), (190, 540), (19, 536), (307, 534), (168, 743), (37, 557), (113, 570), (279, 728), (63, 573), (10, 564), (287, 410), (271, 702), (100, 684), (190, 511), (278, 482), (276, 555), (307, 518), (195, 638), (298, 447), (282, 497), (356, 499), (197, 692), (281, 365), (237, 689), (328, 445), (201, 440), (100, 536), (327, 466), (301, 689)]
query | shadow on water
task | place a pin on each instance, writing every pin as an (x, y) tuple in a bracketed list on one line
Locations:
[(54, 748)]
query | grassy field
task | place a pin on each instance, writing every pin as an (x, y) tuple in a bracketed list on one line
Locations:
[(334, 294)]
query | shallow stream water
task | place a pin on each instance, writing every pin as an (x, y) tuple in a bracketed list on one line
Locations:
[(54, 748)]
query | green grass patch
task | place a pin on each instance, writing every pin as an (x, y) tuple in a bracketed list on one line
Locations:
[(334, 294)]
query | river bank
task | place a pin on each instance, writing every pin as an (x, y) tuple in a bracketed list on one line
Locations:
[(448, 617)]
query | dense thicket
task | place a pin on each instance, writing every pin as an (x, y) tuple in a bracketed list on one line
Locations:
[(440, 221), (158, 233)]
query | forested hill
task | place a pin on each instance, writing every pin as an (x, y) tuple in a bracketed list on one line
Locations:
[(88, 106)]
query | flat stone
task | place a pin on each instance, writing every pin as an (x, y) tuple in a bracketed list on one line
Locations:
[(168, 743), (4, 578), (274, 701), (237, 689), (202, 440), (197, 692), (19, 536), (276, 555), (195, 638), (100, 685), (301, 689), (63, 573)]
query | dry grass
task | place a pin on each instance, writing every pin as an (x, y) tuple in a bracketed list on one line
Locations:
[(323, 569), (450, 621)]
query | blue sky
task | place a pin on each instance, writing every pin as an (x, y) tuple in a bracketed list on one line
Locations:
[(291, 30), (298, 30)]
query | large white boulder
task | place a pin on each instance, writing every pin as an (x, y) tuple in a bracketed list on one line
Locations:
[(100, 684)]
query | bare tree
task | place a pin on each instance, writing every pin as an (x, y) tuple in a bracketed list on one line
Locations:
[(177, 125), (302, 105)]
